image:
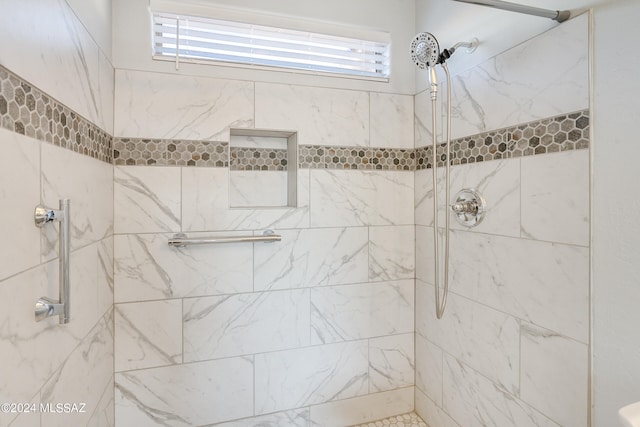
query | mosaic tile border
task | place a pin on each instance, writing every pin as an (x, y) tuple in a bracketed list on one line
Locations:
[(551, 135), (328, 157), (258, 159), (28, 111), (169, 152)]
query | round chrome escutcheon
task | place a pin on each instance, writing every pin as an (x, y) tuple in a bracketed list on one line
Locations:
[(469, 207)]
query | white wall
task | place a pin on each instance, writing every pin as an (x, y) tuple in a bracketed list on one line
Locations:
[(616, 231), (132, 44)]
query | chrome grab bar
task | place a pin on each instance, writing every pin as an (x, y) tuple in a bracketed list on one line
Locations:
[(47, 307), (180, 240)]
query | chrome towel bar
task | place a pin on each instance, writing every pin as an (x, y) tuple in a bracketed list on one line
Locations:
[(181, 240), (47, 307)]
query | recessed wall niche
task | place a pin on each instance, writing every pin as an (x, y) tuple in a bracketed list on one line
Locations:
[(263, 166)]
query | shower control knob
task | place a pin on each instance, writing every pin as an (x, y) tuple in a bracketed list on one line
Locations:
[(469, 207)]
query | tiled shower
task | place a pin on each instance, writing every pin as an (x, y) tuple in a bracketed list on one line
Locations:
[(334, 325)]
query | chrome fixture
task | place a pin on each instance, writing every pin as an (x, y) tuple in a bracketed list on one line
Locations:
[(556, 15), (47, 307), (425, 53), (180, 240), (469, 207)]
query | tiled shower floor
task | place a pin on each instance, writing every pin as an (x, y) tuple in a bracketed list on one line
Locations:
[(405, 420)]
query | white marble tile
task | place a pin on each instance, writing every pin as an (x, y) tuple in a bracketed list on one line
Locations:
[(106, 90), (54, 53), (555, 375), (425, 254), (146, 200), (321, 116), (307, 376), (422, 125), (24, 419), (391, 252), (82, 377), (540, 282), (25, 366), (205, 204), (485, 339), (148, 334), (235, 325), (391, 120), (352, 198), (105, 279), (429, 369), (348, 312), (186, 395), (255, 189), (423, 197), (471, 399), (362, 409), (19, 193), (431, 413), (391, 362), (312, 257), (85, 310), (104, 413), (147, 268), (555, 197), (511, 88), (499, 184), (170, 106), (88, 183), (293, 418)]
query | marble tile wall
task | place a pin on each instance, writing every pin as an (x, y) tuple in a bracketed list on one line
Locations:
[(513, 345), (316, 329), (56, 102)]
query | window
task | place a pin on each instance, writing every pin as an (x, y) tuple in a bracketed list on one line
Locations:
[(196, 39)]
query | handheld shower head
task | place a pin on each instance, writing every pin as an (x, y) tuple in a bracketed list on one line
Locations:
[(425, 53), (425, 50)]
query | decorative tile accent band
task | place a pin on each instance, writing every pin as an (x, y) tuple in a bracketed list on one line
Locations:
[(257, 159), (170, 152), (327, 157), (561, 133), (28, 111)]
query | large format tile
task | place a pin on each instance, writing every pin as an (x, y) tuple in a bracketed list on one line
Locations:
[(89, 187), (54, 52), (431, 413), (312, 257), (348, 312), (391, 362), (147, 268), (234, 325), (183, 395), (206, 207), (146, 200), (362, 409), (543, 283), (20, 166), (148, 334), (471, 399), (505, 90), (555, 375), (313, 375), (321, 116), (352, 198), (293, 418), (391, 252), (199, 108), (429, 369), (485, 339), (392, 125), (82, 378), (555, 197)]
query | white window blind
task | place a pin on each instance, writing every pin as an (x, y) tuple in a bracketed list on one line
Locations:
[(196, 39)]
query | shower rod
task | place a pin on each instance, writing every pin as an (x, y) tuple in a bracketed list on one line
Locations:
[(556, 15)]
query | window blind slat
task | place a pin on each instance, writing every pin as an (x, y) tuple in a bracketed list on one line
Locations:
[(230, 42)]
